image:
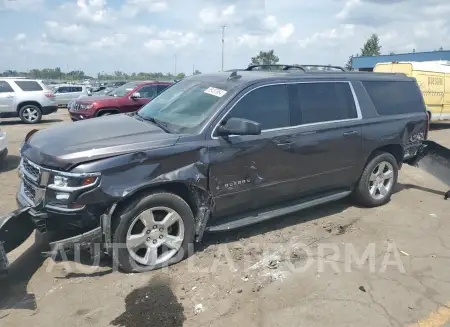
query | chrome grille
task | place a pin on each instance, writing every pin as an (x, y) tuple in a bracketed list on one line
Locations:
[(31, 170), (76, 107), (29, 190)]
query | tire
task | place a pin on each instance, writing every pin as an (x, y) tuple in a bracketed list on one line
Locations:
[(30, 114), (106, 113), (129, 227), (372, 180)]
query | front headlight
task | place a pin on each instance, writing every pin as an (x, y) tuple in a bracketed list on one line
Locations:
[(71, 183), (87, 106)]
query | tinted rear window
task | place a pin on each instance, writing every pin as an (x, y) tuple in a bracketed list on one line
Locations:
[(321, 102), (5, 87), (29, 85), (395, 98)]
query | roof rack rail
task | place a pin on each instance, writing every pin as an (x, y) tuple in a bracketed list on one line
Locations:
[(326, 67), (283, 67)]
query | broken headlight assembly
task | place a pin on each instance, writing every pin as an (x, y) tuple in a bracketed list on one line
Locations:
[(63, 189)]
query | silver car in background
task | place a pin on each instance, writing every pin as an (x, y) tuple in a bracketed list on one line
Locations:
[(66, 93), (28, 99)]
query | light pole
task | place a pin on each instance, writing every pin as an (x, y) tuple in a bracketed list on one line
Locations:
[(223, 42), (175, 56)]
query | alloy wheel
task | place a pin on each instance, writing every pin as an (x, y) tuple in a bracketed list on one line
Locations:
[(381, 180), (30, 114), (155, 236)]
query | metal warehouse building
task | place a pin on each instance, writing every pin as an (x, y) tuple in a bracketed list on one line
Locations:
[(368, 63)]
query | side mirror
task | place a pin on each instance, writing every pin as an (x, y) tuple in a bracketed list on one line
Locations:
[(239, 126), (136, 95)]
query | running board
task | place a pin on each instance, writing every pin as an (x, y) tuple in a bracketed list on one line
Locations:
[(280, 211)]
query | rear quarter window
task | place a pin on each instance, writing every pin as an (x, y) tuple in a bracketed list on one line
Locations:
[(28, 86), (395, 98)]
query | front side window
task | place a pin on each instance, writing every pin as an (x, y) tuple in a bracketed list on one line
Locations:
[(148, 91), (62, 89), (123, 90), (77, 88), (186, 105), (29, 86), (267, 105), (162, 87), (5, 87)]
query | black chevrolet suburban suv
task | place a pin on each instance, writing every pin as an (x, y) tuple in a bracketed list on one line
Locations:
[(216, 152)]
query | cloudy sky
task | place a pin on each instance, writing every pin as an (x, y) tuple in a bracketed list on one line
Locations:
[(147, 35)]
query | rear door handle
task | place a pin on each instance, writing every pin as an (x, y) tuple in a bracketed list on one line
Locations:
[(350, 133)]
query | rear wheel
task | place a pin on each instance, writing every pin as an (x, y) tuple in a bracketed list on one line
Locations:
[(152, 232), (377, 181), (30, 114)]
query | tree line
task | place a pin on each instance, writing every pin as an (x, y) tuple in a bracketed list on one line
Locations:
[(76, 75)]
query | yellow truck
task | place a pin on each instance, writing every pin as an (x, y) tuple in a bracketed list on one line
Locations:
[(433, 78)]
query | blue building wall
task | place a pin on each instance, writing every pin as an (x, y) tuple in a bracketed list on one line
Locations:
[(370, 62)]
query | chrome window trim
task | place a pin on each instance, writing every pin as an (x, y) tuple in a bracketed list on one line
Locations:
[(355, 99)]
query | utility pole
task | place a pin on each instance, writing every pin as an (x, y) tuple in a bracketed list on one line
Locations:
[(223, 42), (175, 74)]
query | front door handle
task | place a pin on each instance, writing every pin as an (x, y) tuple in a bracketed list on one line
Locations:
[(350, 133), (285, 143)]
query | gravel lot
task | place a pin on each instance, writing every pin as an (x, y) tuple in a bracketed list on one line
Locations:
[(255, 276)]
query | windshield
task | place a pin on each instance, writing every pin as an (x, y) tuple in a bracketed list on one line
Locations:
[(124, 89), (185, 105)]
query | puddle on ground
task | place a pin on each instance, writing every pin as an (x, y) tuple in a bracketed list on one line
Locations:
[(152, 305)]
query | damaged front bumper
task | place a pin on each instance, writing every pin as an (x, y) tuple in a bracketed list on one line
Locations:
[(435, 160), (18, 225)]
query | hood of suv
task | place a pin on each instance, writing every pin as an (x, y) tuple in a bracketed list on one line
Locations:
[(66, 145), (103, 99)]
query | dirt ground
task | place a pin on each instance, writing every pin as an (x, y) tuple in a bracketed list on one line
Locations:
[(303, 270)]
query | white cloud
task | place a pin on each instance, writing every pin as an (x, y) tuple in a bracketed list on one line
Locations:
[(332, 35), (68, 34), (132, 8), (216, 16), (20, 37), (144, 35), (21, 5)]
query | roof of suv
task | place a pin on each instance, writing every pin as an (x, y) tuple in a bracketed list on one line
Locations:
[(243, 76)]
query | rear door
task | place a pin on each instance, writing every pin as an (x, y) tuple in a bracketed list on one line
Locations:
[(326, 137), (7, 97)]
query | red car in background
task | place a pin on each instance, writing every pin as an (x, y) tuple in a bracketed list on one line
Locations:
[(129, 97)]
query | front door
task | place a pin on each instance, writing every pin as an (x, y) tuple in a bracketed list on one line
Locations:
[(146, 94), (242, 166), (7, 97)]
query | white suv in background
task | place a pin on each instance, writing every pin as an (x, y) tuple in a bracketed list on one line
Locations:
[(25, 98), (3, 146), (66, 93)]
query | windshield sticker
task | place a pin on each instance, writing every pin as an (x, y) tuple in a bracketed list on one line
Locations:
[(216, 92)]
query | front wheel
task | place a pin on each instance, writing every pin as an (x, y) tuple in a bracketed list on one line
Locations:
[(153, 231), (377, 181)]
